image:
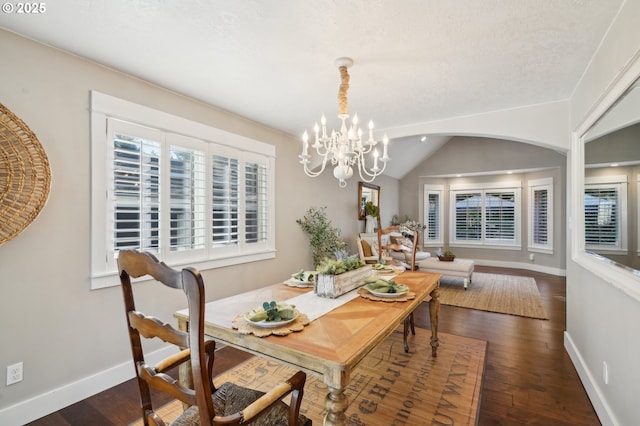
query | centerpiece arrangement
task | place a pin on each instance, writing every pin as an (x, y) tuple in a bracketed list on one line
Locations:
[(339, 276)]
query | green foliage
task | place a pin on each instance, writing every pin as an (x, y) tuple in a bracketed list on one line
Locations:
[(271, 308), (371, 209), (339, 266), (324, 238)]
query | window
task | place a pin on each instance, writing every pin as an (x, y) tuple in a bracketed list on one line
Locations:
[(486, 214), (541, 215), (189, 193), (433, 212), (605, 200)]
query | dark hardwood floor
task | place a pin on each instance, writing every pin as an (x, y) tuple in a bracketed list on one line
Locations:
[(529, 378)]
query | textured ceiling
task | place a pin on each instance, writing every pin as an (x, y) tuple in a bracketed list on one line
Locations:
[(273, 60)]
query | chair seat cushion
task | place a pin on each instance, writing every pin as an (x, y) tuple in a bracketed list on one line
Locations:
[(231, 398)]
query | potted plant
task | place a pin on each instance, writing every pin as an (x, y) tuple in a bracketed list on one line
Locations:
[(371, 213), (446, 256), (324, 238)]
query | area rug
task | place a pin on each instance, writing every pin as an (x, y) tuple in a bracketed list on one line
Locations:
[(506, 294), (389, 386)]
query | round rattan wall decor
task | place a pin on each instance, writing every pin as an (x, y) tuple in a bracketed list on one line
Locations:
[(25, 176)]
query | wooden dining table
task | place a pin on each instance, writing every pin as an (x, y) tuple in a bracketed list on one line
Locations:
[(332, 345)]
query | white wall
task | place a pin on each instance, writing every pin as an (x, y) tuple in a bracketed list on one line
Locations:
[(603, 309), (49, 319)]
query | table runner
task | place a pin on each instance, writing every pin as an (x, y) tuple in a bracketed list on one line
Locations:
[(315, 307)]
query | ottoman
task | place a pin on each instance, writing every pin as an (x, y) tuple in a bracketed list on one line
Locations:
[(457, 268)]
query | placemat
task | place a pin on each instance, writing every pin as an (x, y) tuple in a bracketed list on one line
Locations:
[(364, 293), (245, 327)]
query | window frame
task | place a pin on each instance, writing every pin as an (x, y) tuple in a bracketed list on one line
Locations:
[(534, 185), (104, 108), (483, 189)]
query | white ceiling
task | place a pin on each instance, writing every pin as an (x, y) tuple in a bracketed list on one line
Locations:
[(273, 60)]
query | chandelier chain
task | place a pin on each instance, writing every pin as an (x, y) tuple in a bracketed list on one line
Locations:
[(343, 102)]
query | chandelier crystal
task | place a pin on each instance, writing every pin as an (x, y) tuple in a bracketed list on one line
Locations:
[(344, 149)]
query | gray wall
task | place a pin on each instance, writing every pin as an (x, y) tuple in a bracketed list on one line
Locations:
[(477, 157), (49, 319)]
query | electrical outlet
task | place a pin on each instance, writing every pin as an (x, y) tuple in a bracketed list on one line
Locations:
[(14, 373)]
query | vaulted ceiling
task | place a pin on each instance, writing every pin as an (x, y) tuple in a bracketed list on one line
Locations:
[(272, 61)]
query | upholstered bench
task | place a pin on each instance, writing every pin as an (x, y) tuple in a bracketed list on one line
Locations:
[(457, 268)]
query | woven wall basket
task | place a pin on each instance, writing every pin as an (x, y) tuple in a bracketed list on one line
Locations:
[(25, 176)]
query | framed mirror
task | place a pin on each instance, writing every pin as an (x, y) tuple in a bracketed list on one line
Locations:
[(367, 193), (612, 183), (606, 172)]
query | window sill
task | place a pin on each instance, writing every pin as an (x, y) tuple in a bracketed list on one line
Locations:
[(111, 279)]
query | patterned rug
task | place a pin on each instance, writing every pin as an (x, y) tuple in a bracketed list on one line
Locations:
[(506, 294), (390, 386)]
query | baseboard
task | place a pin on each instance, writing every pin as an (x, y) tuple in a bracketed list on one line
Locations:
[(522, 265), (56, 399), (599, 403)]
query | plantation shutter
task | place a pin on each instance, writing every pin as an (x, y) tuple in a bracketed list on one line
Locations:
[(468, 216), (540, 216), (500, 216), (136, 193), (433, 217), (187, 199), (601, 216), (256, 202), (225, 200)]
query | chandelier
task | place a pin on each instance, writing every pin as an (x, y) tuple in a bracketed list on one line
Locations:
[(345, 148)]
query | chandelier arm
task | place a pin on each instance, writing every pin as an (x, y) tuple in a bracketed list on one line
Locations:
[(368, 177), (368, 149), (365, 179), (311, 173), (362, 168), (322, 145)]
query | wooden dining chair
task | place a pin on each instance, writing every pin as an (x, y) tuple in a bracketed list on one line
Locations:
[(228, 404), (409, 324)]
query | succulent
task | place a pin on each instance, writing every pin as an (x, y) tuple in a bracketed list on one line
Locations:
[(340, 266)]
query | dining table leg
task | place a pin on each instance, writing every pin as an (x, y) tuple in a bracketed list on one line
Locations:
[(434, 314), (336, 404)]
